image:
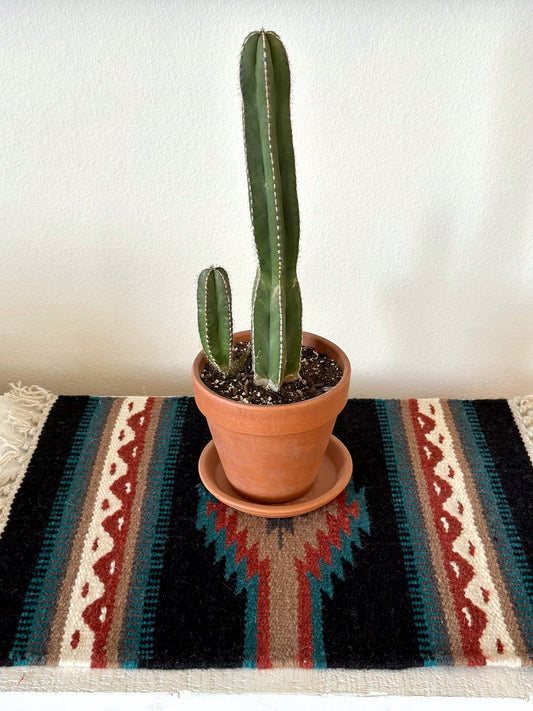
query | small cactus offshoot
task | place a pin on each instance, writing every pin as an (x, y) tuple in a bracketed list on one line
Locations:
[(215, 321), (277, 306)]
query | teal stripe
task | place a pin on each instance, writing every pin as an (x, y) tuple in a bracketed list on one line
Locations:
[(137, 647), (41, 598), (319, 653), (498, 516), (250, 623), (428, 613)]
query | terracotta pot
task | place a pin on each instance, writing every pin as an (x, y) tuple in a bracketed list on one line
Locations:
[(272, 453)]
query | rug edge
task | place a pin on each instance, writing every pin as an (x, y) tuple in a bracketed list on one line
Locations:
[(493, 682), (23, 412), (522, 409)]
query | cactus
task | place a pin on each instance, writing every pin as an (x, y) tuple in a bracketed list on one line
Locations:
[(277, 306), (215, 321)]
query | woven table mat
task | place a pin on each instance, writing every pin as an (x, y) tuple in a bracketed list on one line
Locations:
[(113, 555)]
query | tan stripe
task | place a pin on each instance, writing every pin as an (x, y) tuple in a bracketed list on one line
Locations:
[(454, 636), (283, 618), (62, 610), (129, 551), (283, 575), (511, 623), (282, 587), (283, 611), (284, 590)]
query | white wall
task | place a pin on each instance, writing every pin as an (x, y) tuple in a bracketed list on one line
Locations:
[(122, 176)]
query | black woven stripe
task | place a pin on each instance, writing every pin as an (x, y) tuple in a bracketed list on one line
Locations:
[(369, 621), (200, 618), (512, 464), (21, 541)]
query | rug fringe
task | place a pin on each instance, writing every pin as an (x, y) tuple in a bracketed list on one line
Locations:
[(23, 411), (522, 409)]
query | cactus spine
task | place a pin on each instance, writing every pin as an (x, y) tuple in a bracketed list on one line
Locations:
[(215, 322), (277, 306)]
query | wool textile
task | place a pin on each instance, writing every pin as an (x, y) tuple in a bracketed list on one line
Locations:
[(113, 554)]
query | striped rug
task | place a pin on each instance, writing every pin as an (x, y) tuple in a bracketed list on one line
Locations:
[(112, 554)]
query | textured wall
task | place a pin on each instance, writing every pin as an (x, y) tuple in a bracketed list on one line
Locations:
[(122, 176)]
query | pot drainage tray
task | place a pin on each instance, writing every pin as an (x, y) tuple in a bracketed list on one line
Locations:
[(333, 476)]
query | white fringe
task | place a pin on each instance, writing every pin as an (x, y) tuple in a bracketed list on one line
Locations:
[(23, 412), (522, 409)]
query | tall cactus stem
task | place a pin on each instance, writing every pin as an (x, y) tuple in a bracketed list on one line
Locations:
[(277, 308)]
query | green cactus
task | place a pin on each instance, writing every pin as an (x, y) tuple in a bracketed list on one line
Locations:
[(215, 321), (277, 306)]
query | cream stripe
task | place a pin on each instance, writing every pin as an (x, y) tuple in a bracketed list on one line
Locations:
[(88, 586), (492, 560), (469, 544), (123, 586)]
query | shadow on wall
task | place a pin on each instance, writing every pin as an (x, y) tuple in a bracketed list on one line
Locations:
[(476, 290)]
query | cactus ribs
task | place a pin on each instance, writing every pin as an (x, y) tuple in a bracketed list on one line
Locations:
[(318, 373)]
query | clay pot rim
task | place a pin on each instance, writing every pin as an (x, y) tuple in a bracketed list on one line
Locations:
[(237, 405)]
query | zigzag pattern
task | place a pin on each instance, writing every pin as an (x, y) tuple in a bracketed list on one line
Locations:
[(226, 529), (335, 546)]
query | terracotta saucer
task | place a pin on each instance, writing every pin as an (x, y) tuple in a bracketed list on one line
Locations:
[(333, 476)]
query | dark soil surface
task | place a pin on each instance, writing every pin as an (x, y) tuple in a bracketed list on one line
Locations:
[(318, 374)]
